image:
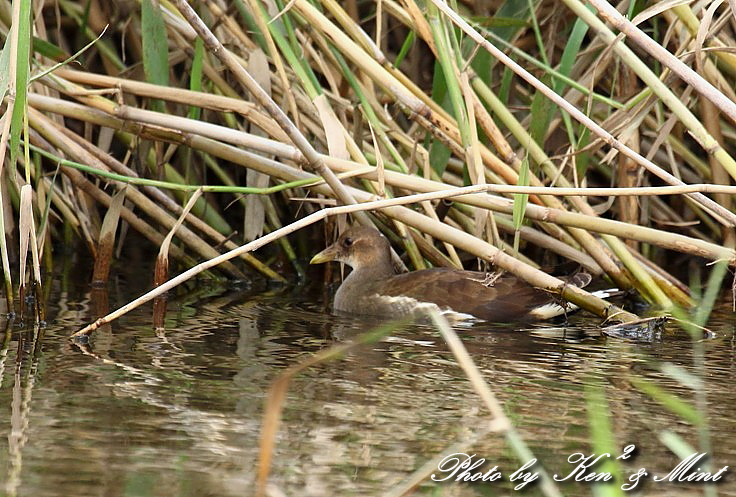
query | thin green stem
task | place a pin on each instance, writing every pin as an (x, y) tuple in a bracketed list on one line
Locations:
[(176, 186)]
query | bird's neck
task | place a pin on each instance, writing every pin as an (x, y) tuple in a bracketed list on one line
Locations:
[(370, 270), (361, 278)]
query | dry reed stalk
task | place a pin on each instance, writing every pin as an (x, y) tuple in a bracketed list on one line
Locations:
[(416, 184), (59, 139), (310, 155), (247, 110), (725, 216)]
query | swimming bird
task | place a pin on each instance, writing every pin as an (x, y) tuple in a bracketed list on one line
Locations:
[(374, 288)]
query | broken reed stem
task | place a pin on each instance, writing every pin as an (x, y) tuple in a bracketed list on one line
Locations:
[(161, 271), (105, 246)]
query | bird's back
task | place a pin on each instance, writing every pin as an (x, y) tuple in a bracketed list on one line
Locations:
[(487, 296)]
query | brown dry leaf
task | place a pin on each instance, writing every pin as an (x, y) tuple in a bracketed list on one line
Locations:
[(161, 273), (25, 225), (656, 9), (333, 129), (379, 166), (107, 238), (472, 150), (703, 29)]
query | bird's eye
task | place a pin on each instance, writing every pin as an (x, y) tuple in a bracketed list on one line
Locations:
[(347, 242)]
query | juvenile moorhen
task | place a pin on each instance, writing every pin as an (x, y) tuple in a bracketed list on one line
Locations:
[(374, 288)]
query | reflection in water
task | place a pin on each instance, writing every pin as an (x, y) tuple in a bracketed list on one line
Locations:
[(178, 412)]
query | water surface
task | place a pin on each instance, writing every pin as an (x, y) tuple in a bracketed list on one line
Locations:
[(178, 412)]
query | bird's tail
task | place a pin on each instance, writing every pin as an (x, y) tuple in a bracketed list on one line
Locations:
[(552, 310)]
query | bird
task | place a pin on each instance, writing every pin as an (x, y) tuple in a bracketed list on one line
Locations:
[(374, 288)]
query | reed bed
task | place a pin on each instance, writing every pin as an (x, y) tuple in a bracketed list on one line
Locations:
[(511, 133)]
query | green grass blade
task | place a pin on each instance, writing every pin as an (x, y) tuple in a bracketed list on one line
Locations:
[(302, 70), (570, 53), (439, 153), (48, 49), (405, 47), (541, 115), (22, 70), (195, 76), (520, 201), (155, 48), (441, 35), (601, 434), (506, 79), (251, 24), (712, 290), (295, 48), (693, 322), (676, 444), (670, 401), (511, 9), (68, 59)]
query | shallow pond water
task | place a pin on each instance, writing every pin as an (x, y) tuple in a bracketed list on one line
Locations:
[(140, 412)]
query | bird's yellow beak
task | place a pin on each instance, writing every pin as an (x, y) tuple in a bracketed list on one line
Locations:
[(327, 255)]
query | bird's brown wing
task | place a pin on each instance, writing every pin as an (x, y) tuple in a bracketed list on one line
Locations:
[(484, 295)]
